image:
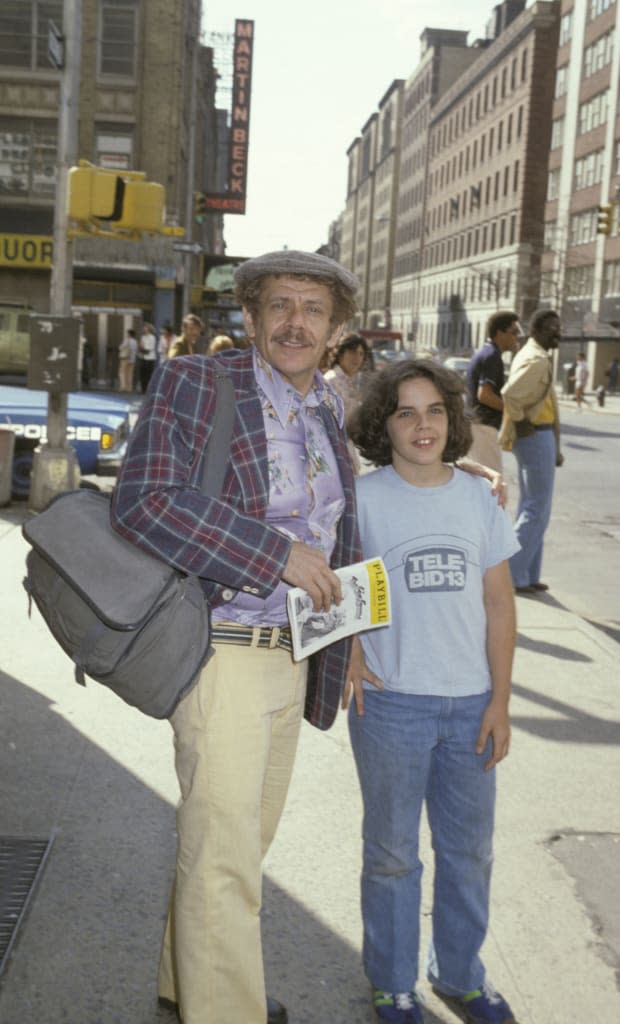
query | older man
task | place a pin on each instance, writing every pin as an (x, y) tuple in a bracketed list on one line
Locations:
[(531, 428), (285, 517)]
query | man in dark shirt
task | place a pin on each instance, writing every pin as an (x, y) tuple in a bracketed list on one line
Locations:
[(485, 380)]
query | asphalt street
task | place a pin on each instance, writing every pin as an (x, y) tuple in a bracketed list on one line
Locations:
[(80, 768)]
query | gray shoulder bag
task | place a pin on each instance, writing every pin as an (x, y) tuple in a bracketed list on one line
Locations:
[(125, 618)]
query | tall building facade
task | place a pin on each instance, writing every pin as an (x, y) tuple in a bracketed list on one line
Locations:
[(580, 265), (146, 102), (489, 141)]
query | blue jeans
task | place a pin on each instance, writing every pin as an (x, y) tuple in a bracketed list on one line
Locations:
[(535, 457), (409, 749)]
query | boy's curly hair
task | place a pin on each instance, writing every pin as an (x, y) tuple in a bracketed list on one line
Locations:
[(368, 428)]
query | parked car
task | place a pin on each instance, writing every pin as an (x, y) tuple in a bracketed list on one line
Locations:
[(383, 356), (457, 363), (97, 427), (14, 337)]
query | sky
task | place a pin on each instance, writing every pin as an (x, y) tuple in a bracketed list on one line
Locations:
[(319, 72)]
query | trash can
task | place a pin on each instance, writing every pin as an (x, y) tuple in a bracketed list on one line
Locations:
[(7, 450)]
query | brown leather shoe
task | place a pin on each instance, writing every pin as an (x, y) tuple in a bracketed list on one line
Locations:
[(276, 1013), (540, 586), (525, 590)]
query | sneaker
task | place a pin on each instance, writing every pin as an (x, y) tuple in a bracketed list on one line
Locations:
[(398, 1007), (482, 1006)]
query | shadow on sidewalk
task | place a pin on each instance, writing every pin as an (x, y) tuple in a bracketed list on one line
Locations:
[(87, 951), (574, 726)]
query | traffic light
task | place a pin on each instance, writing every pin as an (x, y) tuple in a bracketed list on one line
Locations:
[(200, 207), (142, 206), (94, 192), (605, 218), (123, 200)]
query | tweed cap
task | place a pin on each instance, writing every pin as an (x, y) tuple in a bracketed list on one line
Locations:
[(293, 261)]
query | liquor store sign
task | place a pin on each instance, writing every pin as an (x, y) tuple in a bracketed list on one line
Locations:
[(34, 251)]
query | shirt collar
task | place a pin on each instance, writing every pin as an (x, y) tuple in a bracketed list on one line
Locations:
[(539, 348), (283, 397)]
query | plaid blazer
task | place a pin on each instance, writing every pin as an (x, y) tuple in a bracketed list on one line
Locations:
[(226, 541)]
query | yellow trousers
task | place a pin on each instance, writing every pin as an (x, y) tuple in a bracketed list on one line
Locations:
[(235, 739)]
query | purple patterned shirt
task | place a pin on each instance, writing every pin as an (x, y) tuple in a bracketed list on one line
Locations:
[(306, 499)]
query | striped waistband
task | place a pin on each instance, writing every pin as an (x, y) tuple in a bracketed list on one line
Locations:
[(252, 636)]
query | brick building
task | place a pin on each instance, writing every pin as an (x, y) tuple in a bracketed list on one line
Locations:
[(135, 112), (489, 140), (581, 267)]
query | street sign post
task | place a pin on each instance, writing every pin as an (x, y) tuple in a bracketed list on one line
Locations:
[(194, 248)]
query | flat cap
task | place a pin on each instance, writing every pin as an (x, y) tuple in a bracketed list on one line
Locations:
[(292, 261)]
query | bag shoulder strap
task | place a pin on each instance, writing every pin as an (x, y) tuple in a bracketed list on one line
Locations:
[(218, 449)]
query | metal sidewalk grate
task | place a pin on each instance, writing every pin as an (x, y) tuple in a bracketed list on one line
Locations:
[(21, 863)]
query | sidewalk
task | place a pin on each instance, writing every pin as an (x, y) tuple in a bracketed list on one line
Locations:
[(97, 776)]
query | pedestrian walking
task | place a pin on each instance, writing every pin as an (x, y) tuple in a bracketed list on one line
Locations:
[(485, 380), (147, 356), (580, 378), (531, 429), (185, 344), (127, 354), (429, 721)]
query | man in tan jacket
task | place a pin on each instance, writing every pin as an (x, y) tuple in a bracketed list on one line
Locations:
[(531, 429)]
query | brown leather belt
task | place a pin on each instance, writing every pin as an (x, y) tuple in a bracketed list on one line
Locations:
[(252, 636)]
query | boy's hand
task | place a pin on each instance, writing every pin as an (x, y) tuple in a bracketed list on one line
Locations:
[(357, 672), (496, 724)]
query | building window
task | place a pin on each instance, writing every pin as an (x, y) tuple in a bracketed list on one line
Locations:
[(566, 27), (524, 66), (114, 147), (513, 228), (520, 122), (611, 277), (598, 55), (24, 26), (561, 80), (582, 227), (515, 176), (550, 232), (579, 282), (28, 157), (557, 132), (598, 7), (553, 184), (593, 113), (118, 38), (589, 170)]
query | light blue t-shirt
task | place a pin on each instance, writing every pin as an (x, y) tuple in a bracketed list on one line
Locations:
[(437, 543)]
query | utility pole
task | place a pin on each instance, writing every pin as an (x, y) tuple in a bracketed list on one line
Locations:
[(191, 172), (55, 466)]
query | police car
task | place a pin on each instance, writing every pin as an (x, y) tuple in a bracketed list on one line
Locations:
[(97, 428)]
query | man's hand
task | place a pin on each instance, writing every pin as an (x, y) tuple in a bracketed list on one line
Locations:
[(307, 568), (357, 672), (559, 460), (498, 485)]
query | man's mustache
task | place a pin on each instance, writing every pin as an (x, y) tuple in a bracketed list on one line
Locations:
[(291, 334)]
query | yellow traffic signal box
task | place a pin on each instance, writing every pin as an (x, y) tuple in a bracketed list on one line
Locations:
[(124, 200), (604, 222)]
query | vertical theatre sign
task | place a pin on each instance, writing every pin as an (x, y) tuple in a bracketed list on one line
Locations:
[(233, 200)]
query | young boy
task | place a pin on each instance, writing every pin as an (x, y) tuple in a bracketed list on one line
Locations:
[(430, 717)]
